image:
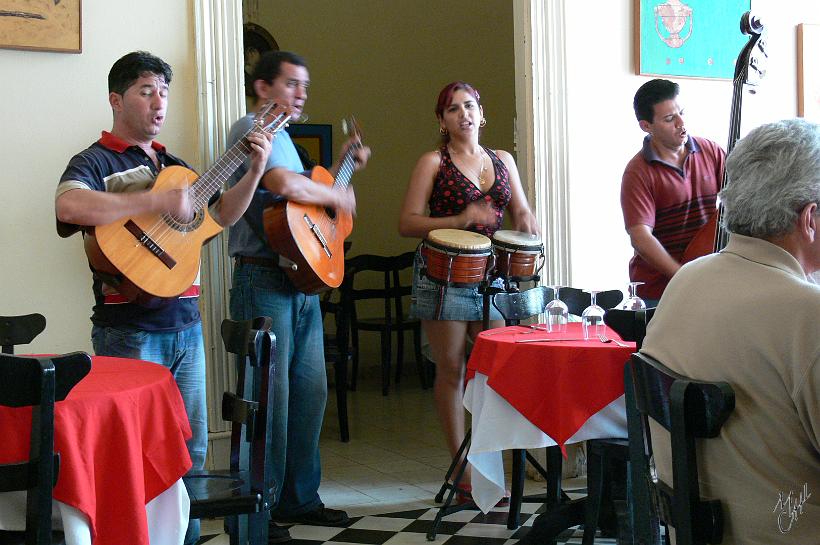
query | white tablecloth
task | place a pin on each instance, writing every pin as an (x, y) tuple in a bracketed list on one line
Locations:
[(167, 517), (498, 426)]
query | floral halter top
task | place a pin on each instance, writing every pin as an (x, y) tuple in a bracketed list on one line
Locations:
[(453, 191)]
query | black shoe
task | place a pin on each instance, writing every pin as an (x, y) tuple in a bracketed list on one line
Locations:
[(321, 516), (277, 534)]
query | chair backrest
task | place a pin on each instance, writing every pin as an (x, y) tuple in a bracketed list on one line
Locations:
[(393, 289), (38, 382), (689, 410), (629, 324), (16, 330), (250, 409), (517, 306), (577, 299)]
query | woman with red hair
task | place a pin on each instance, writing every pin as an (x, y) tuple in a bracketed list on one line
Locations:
[(465, 186)]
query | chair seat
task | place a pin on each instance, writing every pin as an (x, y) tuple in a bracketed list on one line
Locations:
[(221, 493), (19, 538)]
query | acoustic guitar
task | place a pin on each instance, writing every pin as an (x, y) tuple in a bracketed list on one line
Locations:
[(749, 70), (158, 255), (312, 236)]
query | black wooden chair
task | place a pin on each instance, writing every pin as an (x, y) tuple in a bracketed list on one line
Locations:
[(337, 352), (577, 299), (688, 410), (247, 488), (613, 460), (37, 382), (15, 330), (393, 317)]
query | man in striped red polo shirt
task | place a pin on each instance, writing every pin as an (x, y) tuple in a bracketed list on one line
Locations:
[(669, 188)]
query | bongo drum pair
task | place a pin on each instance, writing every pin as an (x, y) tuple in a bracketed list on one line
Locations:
[(464, 258)]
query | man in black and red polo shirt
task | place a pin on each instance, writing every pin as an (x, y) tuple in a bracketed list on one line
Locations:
[(110, 180), (669, 189)]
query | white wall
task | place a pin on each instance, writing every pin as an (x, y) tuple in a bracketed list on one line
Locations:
[(604, 134), (54, 105)]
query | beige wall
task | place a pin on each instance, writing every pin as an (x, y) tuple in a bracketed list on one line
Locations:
[(54, 105), (385, 62)]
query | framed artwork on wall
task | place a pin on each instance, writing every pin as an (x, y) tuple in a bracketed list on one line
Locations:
[(41, 25), (688, 38), (255, 41), (808, 72), (315, 141)]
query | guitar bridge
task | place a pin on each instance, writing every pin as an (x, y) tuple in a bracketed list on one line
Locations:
[(150, 244), (318, 234)]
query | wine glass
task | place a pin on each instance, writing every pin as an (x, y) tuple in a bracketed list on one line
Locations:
[(592, 319), (557, 313), (633, 302)]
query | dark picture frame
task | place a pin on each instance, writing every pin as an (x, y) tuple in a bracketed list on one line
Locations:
[(41, 26), (255, 41), (316, 140), (688, 38)]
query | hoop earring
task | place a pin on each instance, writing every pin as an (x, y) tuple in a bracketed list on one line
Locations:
[(483, 122), (442, 131)]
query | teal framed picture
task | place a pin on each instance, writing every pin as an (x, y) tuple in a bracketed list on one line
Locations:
[(688, 38)]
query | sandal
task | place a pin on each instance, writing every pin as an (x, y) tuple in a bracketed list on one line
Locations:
[(464, 495)]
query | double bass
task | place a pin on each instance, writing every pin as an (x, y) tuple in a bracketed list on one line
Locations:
[(749, 70)]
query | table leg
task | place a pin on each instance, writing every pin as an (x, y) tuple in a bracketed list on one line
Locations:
[(561, 513), (519, 461)]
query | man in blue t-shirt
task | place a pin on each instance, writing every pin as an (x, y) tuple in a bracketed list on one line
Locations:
[(110, 180), (261, 288)]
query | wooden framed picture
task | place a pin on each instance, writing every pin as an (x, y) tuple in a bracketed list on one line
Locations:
[(808, 72), (315, 141), (255, 41), (688, 38), (41, 25)]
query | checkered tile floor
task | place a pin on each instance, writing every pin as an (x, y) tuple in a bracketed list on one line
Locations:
[(411, 527)]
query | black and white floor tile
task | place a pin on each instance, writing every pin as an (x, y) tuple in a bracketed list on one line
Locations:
[(411, 528)]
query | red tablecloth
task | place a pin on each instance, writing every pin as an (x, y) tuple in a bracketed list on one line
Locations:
[(555, 385), (121, 436)]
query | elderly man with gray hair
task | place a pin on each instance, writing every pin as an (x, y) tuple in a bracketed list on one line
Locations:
[(748, 315)]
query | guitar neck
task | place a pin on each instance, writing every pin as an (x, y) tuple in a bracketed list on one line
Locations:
[(211, 181), (346, 169)]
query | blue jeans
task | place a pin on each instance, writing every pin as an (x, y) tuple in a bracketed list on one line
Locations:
[(183, 353), (300, 391)]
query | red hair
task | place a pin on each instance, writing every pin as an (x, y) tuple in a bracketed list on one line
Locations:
[(445, 97)]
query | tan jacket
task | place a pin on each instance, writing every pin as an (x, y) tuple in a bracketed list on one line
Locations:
[(748, 316)]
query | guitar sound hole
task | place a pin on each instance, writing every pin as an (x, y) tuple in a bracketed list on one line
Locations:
[(186, 227)]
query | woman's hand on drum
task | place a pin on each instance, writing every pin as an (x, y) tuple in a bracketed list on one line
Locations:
[(478, 213), (525, 222)]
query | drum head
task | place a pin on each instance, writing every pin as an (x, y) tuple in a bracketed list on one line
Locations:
[(456, 239), (518, 240)]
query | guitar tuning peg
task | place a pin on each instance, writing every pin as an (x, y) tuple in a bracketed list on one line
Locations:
[(345, 127)]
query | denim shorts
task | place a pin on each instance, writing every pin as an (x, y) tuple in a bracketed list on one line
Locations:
[(457, 303)]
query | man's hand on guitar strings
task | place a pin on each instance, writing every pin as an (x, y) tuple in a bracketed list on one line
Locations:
[(177, 203), (346, 200)]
